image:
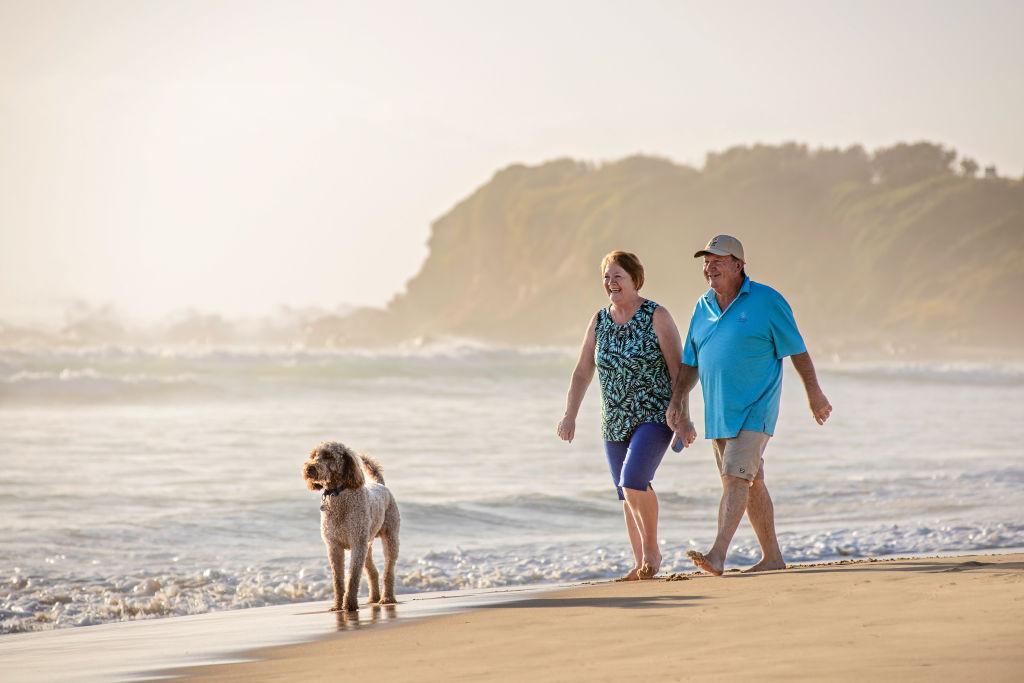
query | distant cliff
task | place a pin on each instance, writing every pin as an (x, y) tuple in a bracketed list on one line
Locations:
[(898, 247)]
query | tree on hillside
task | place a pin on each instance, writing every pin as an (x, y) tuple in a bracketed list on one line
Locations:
[(821, 167), (969, 167), (903, 164), (744, 160), (522, 249)]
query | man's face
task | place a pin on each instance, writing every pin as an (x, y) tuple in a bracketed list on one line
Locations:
[(722, 272)]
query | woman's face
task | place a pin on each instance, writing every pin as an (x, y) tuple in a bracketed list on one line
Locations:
[(618, 285)]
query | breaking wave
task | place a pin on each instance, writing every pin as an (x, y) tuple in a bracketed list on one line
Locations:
[(32, 603), (130, 373)]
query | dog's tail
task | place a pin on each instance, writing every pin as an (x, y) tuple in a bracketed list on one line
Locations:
[(372, 468)]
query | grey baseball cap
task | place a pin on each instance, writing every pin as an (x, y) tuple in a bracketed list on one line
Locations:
[(722, 245)]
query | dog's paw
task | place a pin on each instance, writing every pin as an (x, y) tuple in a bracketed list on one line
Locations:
[(388, 600)]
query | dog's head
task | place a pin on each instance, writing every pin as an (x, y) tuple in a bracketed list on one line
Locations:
[(332, 465)]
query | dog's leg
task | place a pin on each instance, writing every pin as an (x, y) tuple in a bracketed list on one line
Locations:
[(355, 573), (371, 575), (389, 539), (336, 556)]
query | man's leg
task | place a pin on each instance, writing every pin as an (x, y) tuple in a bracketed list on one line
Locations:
[(761, 514), (739, 462), (735, 492)]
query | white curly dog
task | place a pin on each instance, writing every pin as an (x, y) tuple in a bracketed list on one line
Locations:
[(356, 509)]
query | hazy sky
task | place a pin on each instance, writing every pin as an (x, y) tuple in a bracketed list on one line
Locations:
[(234, 156)]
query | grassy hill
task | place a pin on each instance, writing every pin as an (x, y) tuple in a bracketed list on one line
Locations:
[(880, 251)]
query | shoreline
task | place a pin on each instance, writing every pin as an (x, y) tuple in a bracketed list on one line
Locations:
[(905, 619), (210, 645), (145, 649)]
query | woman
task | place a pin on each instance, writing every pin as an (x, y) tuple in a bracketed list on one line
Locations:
[(635, 347)]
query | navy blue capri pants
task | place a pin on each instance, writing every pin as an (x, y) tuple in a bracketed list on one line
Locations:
[(633, 463)]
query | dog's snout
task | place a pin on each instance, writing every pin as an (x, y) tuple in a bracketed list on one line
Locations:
[(310, 471)]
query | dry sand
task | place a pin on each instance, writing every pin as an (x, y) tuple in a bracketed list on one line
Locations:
[(920, 619)]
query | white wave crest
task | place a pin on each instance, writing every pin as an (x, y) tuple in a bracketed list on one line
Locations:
[(89, 384), (37, 603)]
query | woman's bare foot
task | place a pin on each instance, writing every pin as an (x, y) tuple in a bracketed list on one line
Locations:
[(631, 575), (649, 569), (766, 566), (705, 562)]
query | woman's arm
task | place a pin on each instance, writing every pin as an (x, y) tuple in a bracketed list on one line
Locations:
[(578, 384), (668, 340), (678, 414)]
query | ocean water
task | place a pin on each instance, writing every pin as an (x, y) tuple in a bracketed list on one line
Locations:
[(143, 483)]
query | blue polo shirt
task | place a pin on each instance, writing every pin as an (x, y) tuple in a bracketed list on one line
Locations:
[(738, 354)]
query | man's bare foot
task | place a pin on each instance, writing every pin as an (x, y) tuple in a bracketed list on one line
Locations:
[(766, 566), (704, 563), (631, 575)]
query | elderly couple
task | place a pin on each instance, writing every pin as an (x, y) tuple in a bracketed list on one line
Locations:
[(739, 333)]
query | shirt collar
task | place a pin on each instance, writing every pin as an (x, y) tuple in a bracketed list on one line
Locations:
[(744, 289)]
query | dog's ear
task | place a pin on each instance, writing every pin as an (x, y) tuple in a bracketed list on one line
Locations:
[(351, 471)]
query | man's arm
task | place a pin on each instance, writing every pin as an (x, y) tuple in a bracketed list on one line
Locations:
[(678, 413), (820, 407)]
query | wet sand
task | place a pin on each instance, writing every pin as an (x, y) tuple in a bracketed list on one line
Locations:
[(913, 619), (149, 648)]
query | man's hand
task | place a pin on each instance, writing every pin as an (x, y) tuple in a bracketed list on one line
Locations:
[(566, 428), (820, 407), (672, 415)]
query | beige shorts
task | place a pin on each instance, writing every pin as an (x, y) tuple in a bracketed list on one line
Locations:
[(742, 455)]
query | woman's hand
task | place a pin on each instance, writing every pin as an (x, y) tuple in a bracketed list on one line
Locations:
[(685, 431), (566, 429), (679, 421)]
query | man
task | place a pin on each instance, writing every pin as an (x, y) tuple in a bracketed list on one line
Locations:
[(739, 334)]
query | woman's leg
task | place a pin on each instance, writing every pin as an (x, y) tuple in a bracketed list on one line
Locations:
[(635, 542), (616, 453), (644, 507), (646, 449)]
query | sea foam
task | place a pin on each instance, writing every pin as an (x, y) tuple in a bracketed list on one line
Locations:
[(30, 603)]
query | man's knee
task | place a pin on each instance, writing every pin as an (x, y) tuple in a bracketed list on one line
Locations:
[(729, 482)]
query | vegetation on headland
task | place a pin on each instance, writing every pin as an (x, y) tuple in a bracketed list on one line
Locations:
[(904, 247), (907, 251)]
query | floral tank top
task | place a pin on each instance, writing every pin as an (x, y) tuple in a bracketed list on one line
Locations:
[(635, 383)]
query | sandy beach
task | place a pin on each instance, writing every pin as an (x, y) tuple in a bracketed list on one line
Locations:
[(915, 619)]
